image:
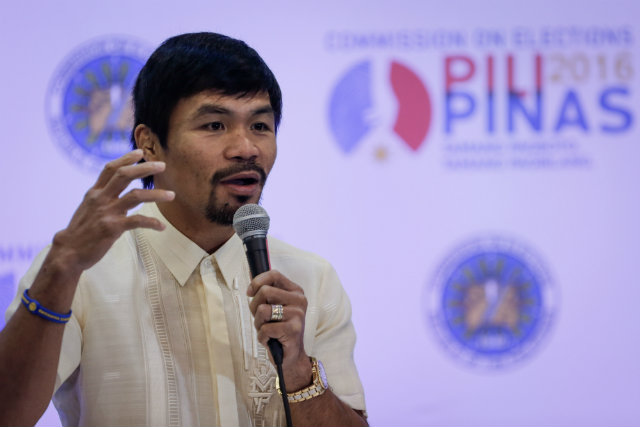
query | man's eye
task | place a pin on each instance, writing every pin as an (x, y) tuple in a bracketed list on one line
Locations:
[(261, 127), (215, 126)]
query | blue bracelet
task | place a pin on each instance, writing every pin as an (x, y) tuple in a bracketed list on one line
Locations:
[(34, 307)]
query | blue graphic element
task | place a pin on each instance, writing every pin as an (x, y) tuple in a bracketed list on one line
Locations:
[(571, 103), (89, 102), (491, 303), (605, 103), (350, 102), (452, 99), (490, 112), (6, 294), (97, 103), (534, 117)]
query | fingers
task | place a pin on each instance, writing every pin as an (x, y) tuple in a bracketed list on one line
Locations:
[(102, 216), (292, 303), (141, 221), (286, 332), (136, 196), (119, 173), (272, 278), (124, 175), (110, 168), (272, 288), (290, 313), (116, 177)]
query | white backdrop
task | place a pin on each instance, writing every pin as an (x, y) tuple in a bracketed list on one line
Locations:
[(417, 197)]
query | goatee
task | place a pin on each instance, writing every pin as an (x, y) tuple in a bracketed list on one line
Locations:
[(223, 214)]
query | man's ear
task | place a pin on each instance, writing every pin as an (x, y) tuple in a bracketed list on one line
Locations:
[(148, 141)]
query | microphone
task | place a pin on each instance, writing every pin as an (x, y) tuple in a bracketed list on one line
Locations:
[(251, 223)]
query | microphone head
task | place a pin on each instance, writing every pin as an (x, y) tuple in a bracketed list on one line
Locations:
[(251, 220)]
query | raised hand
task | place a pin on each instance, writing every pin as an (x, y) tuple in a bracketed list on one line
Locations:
[(102, 216), (30, 344)]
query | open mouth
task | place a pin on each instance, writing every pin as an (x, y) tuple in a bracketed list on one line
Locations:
[(242, 179)]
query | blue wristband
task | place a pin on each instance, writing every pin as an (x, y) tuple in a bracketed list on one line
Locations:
[(34, 307)]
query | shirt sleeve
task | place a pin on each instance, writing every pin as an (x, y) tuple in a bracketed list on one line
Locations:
[(72, 338), (335, 339)]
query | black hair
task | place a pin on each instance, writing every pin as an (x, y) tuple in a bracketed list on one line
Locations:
[(188, 64)]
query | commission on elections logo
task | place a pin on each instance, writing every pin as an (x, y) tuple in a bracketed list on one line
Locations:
[(88, 106), (365, 97), (492, 302)]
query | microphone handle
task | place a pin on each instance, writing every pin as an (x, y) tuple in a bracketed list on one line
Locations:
[(258, 256)]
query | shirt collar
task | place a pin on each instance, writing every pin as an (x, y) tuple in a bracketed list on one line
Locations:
[(181, 255), (176, 251), (232, 260)]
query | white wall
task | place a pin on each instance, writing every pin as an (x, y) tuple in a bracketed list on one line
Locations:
[(557, 199)]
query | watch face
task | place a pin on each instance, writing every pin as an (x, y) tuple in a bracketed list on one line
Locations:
[(323, 375)]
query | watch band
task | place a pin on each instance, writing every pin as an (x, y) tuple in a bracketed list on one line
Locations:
[(317, 387)]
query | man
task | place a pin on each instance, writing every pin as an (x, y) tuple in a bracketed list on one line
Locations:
[(166, 326)]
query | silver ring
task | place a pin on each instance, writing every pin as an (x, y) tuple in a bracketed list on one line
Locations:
[(277, 312)]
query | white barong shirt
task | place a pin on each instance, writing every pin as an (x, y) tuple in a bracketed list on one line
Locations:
[(161, 334)]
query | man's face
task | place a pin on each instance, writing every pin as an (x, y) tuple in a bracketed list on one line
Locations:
[(219, 152)]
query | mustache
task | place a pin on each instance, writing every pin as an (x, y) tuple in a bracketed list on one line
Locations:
[(239, 167)]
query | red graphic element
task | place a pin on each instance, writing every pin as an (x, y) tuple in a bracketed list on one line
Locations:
[(414, 111), (539, 72), (490, 74), (511, 76), (451, 77)]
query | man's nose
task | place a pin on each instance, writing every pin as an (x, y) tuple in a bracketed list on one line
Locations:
[(241, 145)]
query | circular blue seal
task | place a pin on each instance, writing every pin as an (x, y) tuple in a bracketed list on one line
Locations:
[(492, 302), (89, 104)]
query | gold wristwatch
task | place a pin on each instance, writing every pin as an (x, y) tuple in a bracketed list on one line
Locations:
[(317, 387)]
